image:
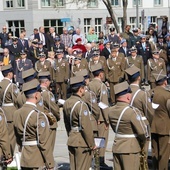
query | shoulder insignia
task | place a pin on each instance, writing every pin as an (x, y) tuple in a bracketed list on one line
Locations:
[(93, 100), (52, 99), (104, 92), (42, 124), (0, 117), (138, 117), (85, 112)]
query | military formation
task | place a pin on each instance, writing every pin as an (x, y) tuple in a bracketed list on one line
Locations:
[(95, 85)]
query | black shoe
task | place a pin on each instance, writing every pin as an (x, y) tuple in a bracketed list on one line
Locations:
[(112, 104), (146, 84), (104, 166)]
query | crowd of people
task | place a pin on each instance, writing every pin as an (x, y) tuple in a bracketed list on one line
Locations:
[(98, 81)]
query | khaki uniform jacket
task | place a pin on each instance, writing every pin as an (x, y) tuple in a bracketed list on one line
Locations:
[(4, 138), (10, 97), (101, 92), (42, 68), (102, 61), (115, 69), (80, 118), (138, 62), (83, 65), (49, 105), (61, 71), (161, 120), (155, 67), (142, 101), (33, 156), (90, 99), (130, 123)]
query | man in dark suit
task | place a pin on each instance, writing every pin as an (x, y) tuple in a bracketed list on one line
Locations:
[(41, 36), (7, 59), (23, 43), (124, 49), (3, 36), (15, 48), (113, 38), (107, 50), (144, 49), (58, 45), (23, 64), (33, 52)]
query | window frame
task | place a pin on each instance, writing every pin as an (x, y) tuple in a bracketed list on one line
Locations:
[(91, 6), (157, 5), (44, 6), (98, 27), (87, 26), (139, 4), (113, 5)]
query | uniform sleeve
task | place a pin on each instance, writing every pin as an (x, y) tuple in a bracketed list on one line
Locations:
[(91, 101), (67, 71), (66, 120), (168, 106), (4, 138), (87, 131), (149, 70), (138, 125), (142, 69), (104, 99), (44, 142), (147, 107), (15, 92)]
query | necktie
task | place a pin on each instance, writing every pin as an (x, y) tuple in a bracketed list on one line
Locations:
[(143, 45), (6, 60)]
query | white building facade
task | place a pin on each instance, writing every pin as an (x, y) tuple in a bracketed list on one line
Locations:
[(30, 14)]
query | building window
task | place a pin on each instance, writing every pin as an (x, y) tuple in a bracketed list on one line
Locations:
[(139, 2), (20, 3), (98, 25), (92, 3), (120, 21), (16, 26), (46, 3), (133, 22), (60, 3), (87, 25), (56, 23), (115, 2), (9, 4), (157, 2)]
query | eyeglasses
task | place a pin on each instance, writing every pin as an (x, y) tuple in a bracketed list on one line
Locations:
[(4, 28)]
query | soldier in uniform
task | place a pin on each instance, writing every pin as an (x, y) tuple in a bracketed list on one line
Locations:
[(50, 107), (90, 99), (140, 99), (101, 92), (144, 49), (79, 63), (8, 99), (41, 49), (32, 131), (78, 126), (135, 39), (135, 60), (115, 73), (160, 127), (42, 64), (61, 75), (5, 152), (155, 64), (96, 58), (130, 130), (162, 47), (23, 64), (27, 76)]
